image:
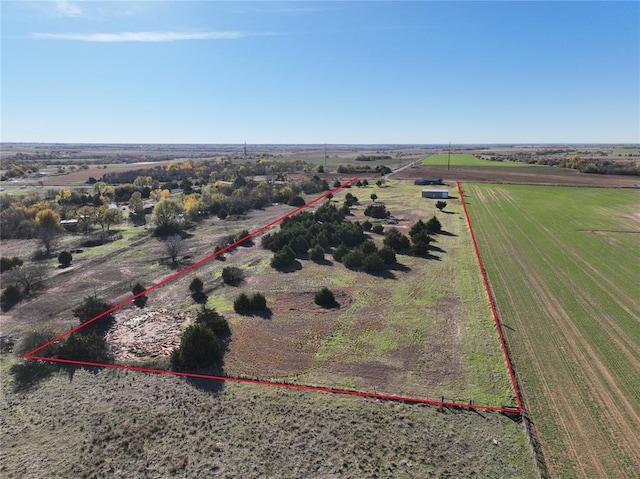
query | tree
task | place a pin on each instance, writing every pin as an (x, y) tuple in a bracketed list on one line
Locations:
[(196, 286), (91, 307), (365, 182), (65, 258), (135, 202), (396, 240), (242, 303), (48, 222), (49, 239), (10, 297), (379, 183), (324, 297), (368, 247), (246, 304), (27, 276), (191, 206), (337, 184), (198, 348), (353, 259), (441, 205), (174, 245), (340, 252), (378, 229), (316, 253), (433, 225), (213, 320), (420, 246), (7, 264), (232, 275), (388, 255), (320, 169), (167, 216), (48, 219), (376, 211), (222, 214), (141, 300), (374, 197), (373, 263), (106, 217), (85, 347), (283, 258)]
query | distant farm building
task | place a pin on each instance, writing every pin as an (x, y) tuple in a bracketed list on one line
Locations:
[(429, 181), (69, 225), (435, 194)]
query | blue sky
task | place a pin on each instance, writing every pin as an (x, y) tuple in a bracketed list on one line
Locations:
[(320, 72)]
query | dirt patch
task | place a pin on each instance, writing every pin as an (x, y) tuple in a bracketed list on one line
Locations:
[(142, 334)]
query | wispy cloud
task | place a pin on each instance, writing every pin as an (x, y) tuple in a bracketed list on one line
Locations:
[(68, 9), (139, 36)]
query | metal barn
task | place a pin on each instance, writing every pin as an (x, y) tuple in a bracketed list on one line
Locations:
[(435, 194)]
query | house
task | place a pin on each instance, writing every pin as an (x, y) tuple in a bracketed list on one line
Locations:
[(435, 194), (429, 181), (69, 225)]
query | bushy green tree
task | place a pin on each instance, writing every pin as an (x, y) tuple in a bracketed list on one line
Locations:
[(283, 258), (213, 320), (372, 263), (324, 297), (91, 307), (388, 255), (353, 259), (317, 253), (198, 348), (434, 226), (65, 258), (396, 240), (340, 252), (10, 297), (441, 205), (141, 300), (232, 275)]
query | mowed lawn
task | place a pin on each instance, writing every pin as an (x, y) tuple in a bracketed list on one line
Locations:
[(458, 159), (563, 264)]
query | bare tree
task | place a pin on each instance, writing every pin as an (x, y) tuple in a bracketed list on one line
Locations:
[(174, 246), (27, 276), (49, 238)]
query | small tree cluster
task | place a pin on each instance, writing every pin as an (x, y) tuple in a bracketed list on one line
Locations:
[(249, 304), (90, 347), (396, 240), (376, 211), (7, 264), (420, 238)]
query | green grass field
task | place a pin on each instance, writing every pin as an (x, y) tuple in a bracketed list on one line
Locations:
[(563, 264), (426, 331), (465, 160)]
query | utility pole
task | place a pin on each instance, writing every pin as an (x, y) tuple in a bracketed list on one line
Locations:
[(245, 150), (449, 157), (325, 154)]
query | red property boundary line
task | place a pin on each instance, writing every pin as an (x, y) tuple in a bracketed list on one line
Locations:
[(494, 312), (32, 354)]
